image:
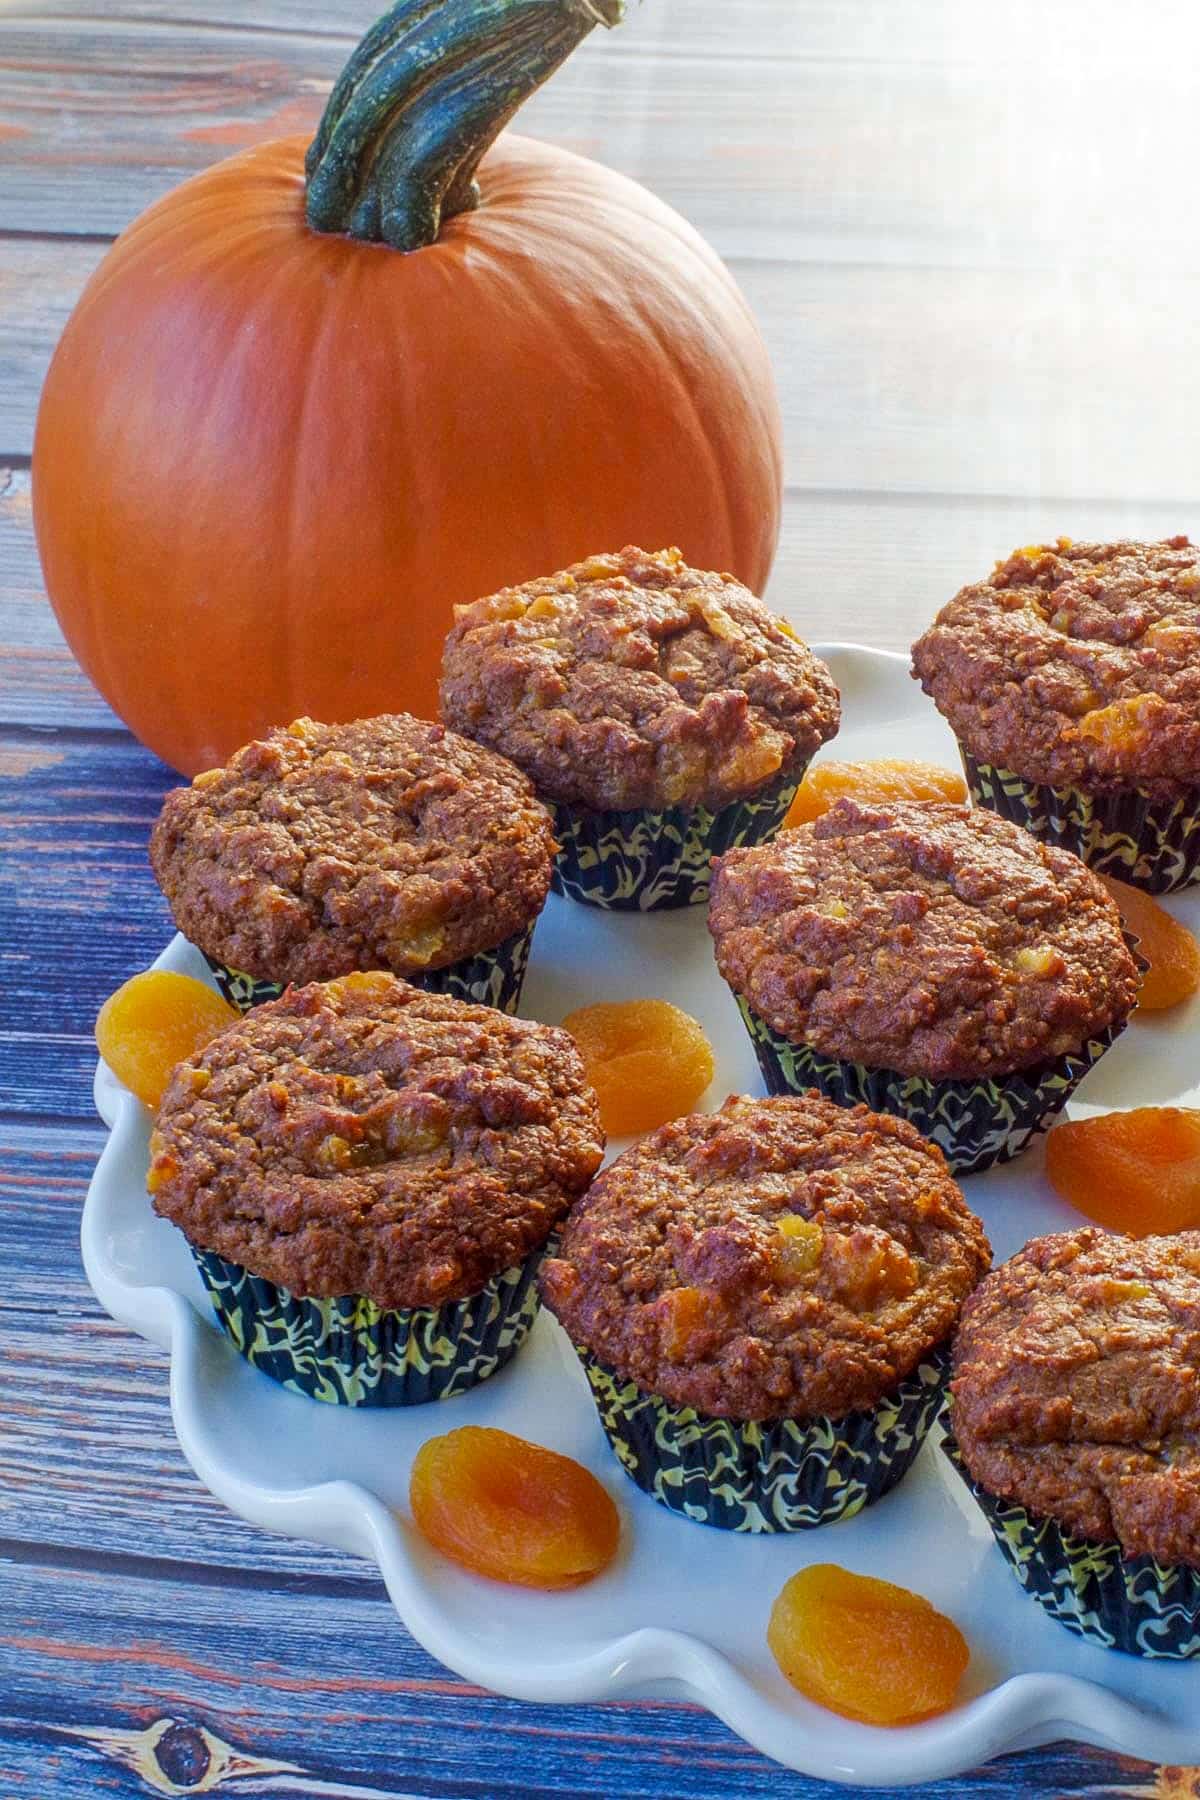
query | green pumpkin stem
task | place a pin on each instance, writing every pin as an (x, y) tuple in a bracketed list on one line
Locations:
[(426, 92)]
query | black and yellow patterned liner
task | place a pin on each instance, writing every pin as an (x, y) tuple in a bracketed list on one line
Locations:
[(780, 1475), (647, 861), (350, 1352), (975, 1124), (1125, 832), (1129, 1603), (493, 978)]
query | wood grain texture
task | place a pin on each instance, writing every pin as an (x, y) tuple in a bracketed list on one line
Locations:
[(355, 1709), (332, 1689), (966, 230), (41, 685), (891, 379), (40, 281), (81, 911), (939, 133)]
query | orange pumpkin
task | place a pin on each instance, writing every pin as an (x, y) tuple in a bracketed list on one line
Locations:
[(294, 419)]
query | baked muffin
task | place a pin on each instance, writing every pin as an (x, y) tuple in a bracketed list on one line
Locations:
[(367, 1175), (388, 843), (1076, 1420), (661, 711), (761, 1298), (1071, 677), (931, 960)]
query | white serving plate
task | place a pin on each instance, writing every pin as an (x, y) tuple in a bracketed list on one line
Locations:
[(683, 1612)]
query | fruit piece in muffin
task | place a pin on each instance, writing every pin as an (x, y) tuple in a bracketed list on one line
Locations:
[(933, 940), (389, 843), (633, 681), (1076, 665), (1075, 1388), (780, 1258), (360, 1136)]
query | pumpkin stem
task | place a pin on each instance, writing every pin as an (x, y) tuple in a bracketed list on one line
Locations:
[(426, 92)]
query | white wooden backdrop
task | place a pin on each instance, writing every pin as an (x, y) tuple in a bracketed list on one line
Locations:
[(968, 230)]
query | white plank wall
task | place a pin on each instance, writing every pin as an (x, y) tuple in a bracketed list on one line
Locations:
[(967, 229)]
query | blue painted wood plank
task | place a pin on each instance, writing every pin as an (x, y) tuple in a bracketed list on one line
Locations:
[(88, 1457), (80, 909), (40, 683), (338, 1692)]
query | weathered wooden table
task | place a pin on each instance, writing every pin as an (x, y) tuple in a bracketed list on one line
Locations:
[(967, 230)]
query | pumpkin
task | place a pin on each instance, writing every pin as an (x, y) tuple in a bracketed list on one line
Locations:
[(306, 405)]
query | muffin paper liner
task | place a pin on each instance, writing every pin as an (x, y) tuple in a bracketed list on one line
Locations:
[(350, 1352), (975, 1124), (1124, 832), (493, 978), (643, 861), (780, 1475), (1130, 1603)]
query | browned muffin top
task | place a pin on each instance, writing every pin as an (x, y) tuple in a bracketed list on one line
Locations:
[(1076, 664), (634, 681), (360, 1136), (1076, 1387), (779, 1258), (389, 843), (931, 939)]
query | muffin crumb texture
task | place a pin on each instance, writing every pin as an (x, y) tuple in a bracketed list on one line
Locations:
[(935, 940), (778, 1258), (1076, 665), (633, 681), (1076, 1389), (388, 843), (364, 1137)]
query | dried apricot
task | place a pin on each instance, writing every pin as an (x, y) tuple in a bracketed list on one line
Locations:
[(865, 1648), (1123, 727), (1168, 946), (154, 1021), (691, 1319), (511, 1510), (647, 1061), (1136, 1172), (874, 783)]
